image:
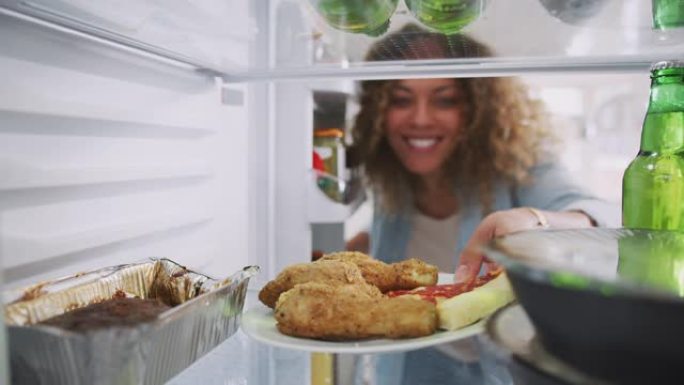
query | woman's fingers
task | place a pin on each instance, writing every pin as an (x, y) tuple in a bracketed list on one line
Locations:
[(501, 223), (468, 267), (471, 258)]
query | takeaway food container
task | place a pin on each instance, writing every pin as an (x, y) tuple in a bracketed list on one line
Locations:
[(606, 301), (208, 312)]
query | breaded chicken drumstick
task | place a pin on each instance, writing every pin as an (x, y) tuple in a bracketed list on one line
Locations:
[(404, 275), (329, 272), (350, 312)]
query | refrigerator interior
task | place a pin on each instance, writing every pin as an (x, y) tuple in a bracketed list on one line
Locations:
[(111, 155), (184, 129)]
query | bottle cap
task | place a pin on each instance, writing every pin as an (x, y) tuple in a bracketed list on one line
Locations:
[(661, 65), (329, 133)]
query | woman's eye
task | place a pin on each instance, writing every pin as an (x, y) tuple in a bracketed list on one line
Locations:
[(400, 101), (446, 102)]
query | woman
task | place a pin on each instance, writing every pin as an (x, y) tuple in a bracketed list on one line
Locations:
[(453, 163)]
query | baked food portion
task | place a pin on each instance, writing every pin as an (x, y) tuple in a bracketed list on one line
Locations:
[(349, 312), (331, 272), (469, 307), (407, 274), (340, 297), (115, 312), (461, 304)]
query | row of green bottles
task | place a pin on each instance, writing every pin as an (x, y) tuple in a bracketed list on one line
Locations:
[(372, 17), (653, 184)]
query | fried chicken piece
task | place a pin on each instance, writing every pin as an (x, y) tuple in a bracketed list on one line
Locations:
[(351, 312), (404, 275), (330, 272)]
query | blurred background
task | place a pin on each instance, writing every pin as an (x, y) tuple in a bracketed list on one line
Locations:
[(597, 119)]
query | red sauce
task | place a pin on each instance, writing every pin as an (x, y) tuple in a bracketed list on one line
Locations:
[(431, 293)]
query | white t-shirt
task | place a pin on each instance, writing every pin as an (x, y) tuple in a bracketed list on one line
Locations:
[(434, 240)]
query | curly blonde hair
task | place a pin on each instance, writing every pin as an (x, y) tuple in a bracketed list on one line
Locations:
[(502, 139)]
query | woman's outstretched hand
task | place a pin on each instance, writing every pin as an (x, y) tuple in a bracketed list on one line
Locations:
[(505, 222)]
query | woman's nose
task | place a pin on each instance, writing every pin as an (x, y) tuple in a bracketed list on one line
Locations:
[(422, 115)]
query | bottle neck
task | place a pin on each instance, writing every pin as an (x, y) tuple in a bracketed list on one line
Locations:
[(663, 129)]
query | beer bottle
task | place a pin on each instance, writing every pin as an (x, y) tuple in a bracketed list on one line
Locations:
[(446, 16), (668, 13), (370, 17), (653, 184), (654, 259)]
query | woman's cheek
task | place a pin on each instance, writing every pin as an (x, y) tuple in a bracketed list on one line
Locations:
[(395, 142)]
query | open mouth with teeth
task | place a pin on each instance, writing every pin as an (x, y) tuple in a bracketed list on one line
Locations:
[(422, 144)]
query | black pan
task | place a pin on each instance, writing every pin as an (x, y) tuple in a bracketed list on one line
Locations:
[(607, 301), (510, 341)]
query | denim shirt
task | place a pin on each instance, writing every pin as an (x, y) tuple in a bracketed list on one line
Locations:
[(550, 190)]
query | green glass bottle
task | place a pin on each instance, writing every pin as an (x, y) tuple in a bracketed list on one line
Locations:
[(653, 184), (653, 260), (668, 14), (446, 16), (370, 17)]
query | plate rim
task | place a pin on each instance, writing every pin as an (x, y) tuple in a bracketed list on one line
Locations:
[(367, 346), (260, 313)]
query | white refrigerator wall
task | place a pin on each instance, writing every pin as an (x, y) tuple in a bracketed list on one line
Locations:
[(109, 157)]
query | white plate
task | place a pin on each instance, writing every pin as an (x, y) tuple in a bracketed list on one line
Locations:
[(259, 323)]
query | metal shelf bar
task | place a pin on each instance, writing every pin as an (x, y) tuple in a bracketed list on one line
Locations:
[(120, 42), (630, 64)]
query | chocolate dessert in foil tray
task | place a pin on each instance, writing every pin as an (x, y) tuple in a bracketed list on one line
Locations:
[(131, 324)]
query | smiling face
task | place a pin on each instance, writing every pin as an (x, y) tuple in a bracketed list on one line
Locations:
[(423, 122)]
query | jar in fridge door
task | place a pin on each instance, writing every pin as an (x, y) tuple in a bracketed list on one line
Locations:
[(329, 161)]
